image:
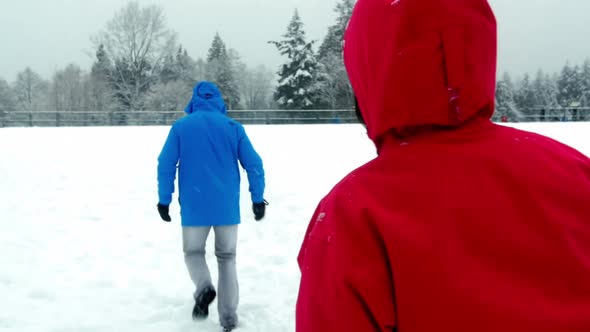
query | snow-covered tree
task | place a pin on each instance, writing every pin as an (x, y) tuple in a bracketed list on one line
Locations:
[(180, 67), (100, 83), (187, 68), (505, 104), (296, 77), (137, 41), (258, 86), (585, 78), (332, 84), (30, 91), (525, 97), (169, 71), (7, 102), (220, 70), (569, 86), (168, 97), (67, 89), (200, 70), (332, 44), (545, 91)]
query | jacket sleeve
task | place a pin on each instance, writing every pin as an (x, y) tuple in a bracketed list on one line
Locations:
[(346, 278), (252, 163), (167, 165)]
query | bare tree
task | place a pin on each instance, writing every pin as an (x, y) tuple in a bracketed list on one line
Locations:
[(67, 89), (257, 88), (171, 97), (30, 90), (137, 41)]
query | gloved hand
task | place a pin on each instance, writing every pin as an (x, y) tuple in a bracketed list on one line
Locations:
[(259, 209), (164, 211)]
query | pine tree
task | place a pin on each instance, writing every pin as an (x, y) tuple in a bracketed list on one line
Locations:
[(102, 68), (220, 70), (186, 67), (180, 67), (332, 44), (169, 71), (569, 86), (505, 104), (333, 85), (101, 82), (525, 97), (545, 92), (217, 50), (296, 77)]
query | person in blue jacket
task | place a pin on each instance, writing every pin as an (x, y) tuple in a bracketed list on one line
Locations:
[(206, 147)]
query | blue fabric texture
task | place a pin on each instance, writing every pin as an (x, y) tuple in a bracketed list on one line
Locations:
[(207, 148)]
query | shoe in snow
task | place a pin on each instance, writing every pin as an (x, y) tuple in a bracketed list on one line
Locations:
[(202, 302)]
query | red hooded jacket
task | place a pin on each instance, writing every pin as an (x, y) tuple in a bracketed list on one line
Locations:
[(459, 224)]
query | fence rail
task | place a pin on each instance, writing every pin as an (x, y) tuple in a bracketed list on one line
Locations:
[(78, 118), (93, 118)]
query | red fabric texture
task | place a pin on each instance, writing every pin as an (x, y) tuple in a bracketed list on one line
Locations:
[(459, 224)]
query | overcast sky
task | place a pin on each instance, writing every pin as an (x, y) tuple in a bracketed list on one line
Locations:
[(48, 35)]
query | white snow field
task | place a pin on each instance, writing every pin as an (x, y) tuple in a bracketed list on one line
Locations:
[(82, 248)]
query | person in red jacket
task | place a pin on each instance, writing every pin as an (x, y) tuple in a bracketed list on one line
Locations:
[(459, 224)]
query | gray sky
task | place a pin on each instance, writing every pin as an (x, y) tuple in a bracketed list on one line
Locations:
[(48, 35)]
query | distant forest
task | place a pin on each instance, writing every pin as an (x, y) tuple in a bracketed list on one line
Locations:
[(140, 66)]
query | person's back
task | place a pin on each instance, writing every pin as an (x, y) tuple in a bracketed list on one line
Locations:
[(210, 145), (459, 224), (208, 172), (206, 147)]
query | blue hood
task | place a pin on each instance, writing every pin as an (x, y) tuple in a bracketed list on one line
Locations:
[(206, 98)]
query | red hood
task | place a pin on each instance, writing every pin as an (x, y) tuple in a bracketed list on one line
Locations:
[(421, 63)]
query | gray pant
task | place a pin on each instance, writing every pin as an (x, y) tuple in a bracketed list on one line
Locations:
[(226, 238)]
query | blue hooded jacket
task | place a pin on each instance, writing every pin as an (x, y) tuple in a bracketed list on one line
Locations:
[(206, 147)]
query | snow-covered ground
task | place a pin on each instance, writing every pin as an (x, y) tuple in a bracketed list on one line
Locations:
[(82, 247)]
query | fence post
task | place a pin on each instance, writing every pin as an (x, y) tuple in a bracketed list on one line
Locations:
[(111, 118), (30, 118)]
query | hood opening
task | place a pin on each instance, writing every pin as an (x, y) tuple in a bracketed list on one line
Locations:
[(206, 98)]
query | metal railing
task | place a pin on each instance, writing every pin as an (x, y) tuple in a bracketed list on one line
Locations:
[(147, 118), (544, 114)]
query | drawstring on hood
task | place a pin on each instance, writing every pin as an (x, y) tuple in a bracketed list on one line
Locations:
[(206, 98)]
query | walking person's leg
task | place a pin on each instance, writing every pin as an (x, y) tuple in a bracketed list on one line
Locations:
[(226, 238), (194, 240)]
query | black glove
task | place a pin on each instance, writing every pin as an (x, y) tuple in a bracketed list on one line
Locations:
[(164, 211), (259, 209)]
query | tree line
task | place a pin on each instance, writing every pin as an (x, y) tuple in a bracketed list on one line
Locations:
[(139, 66), (546, 95)]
